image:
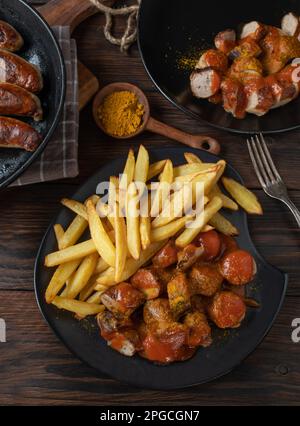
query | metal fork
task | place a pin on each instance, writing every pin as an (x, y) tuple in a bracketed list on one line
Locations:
[(267, 173)]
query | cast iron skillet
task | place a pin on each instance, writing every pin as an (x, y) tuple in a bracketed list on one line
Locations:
[(40, 48), (228, 349), (171, 30)]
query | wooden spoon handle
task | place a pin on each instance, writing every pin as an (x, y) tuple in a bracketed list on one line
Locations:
[(206, 143)]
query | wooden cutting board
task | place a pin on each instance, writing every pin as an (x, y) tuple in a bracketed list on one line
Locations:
[(72, 13)]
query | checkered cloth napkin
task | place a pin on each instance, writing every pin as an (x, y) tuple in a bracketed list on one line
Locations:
[(60, 157)]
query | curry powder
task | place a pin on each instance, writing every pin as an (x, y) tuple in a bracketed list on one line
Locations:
[(121, 113)]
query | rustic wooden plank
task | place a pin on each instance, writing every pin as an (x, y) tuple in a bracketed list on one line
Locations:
[(36, 368)]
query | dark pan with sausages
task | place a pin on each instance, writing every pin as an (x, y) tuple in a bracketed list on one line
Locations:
[(32, 87), (171, 44)]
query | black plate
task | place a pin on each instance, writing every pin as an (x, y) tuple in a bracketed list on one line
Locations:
[(171, 30), (40, 48), (228, 349)]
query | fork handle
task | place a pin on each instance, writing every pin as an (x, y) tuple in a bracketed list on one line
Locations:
[(293, 209)]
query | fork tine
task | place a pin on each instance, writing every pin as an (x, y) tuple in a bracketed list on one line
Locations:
[(259, 162), (268, 155), (254, 162), (264, 159)]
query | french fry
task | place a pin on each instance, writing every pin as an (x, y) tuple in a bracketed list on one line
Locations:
[(126, 178), (75, 206), (145, 231), (201, 220), (113, 191), (87, 290), (107, 277), (59, 232), (228, 203), (191, 158), (73, 232), (190, 177), (82, 275), (188, 169), (82, 309), (182, 199), (121, 245), (163, 190), (100, 237), (169, 230), (101, 266), (223, 225), (77, 251), (96, 297), (133, 222), (245, 198), (59, 278), (142, 165), (155, 169)]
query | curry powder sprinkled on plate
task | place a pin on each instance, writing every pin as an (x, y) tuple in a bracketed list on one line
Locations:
[(121, 113)]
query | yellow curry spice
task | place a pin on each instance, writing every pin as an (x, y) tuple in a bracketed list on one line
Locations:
[(121, 113)]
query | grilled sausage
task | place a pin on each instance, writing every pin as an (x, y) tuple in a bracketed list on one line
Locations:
[(122, 299), (290, 24), (10, 39), (253, 30), (167, 256), (205, 82), (179, 294), (14, 100), (227, 310), (284, 91), (211, 243), (214, 59), (15, 70), (246, 48), (225, 41), (234, 97), (188, 256), (120, 335), (199, 331), (205, 280), (260, 96), (237, 267), (17, 134), (147, 280)]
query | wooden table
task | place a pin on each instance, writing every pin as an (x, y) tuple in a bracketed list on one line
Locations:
[(35, 367)]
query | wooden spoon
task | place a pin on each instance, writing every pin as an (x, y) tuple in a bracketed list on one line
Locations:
[(205, 143)]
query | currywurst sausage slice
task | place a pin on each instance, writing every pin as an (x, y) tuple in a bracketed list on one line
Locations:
[(15, 70), (205, 82), (16, 134), (14, 100), (10, 39)]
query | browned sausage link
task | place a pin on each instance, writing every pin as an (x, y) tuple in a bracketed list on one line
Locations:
[(148, 282), (10, 39), (167, 256), (122, 299), (17, 134), (179, 294), (199, 333), (15, 70), (14, 100)]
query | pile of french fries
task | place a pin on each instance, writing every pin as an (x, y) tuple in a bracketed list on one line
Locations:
[(121, 239)]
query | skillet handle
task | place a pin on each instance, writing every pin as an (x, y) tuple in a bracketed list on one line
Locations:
[(206, 143)]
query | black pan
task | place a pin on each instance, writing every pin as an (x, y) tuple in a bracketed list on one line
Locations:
[(228, 349), (170, 30), (40, 48)]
